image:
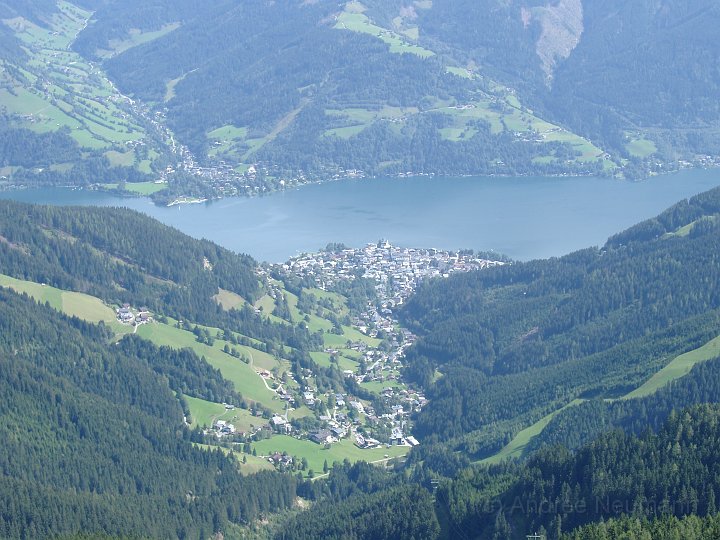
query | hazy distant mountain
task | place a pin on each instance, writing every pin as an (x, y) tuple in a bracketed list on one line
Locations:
[(385, 87)]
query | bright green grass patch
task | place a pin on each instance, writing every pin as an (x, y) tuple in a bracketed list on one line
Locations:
[(292, 301), (61, 167), (323, 359), (412, 33), (228, 132), (86, 307), (301, 412), (516, 447), (83, 306), (685, 229), (253, 464), (229, 300), (141, 188), (316, 455), (335, 298), (260, 359), (246, 381), (135, 37), (543, 159), (356, 335), (120, 159), (345, 132), (513, 101), (357, 22), (206, 413), (145, 188), (678, 367), (170, 88), (359, 116), (378, 386), (254, 145), (318, 323), (76, 304), (460, 72), (457, 134), (349, 334), (41, 293), (641, 148), (266, 303)]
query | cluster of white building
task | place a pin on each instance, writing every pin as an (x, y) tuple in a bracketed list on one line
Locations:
[(397, 270)]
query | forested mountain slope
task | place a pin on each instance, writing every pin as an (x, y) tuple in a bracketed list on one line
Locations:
[(382, 87), (668, 474), (523, 340), (123, 256), (94, 441), (625, 76), (661, 483)]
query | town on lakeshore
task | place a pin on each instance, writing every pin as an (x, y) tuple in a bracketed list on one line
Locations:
[(371, 352)]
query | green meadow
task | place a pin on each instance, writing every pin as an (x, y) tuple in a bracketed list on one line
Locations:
[(74, 93), (358, 22), (678, 367), (242, 375), (205, 413), (316, 454)]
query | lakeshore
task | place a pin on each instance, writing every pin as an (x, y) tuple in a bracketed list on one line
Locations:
[(522, 217)]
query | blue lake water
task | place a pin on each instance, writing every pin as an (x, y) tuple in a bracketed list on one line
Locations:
[(525, 218)]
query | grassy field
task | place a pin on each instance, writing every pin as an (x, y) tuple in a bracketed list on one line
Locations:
[(685, 229), (323, 359), (356, 21), (266, 303), (378, 386), (641, 148), (74, 93), (76, 304), (516, 447), (246, 381), (144, 188), (254, 464), (678, 367), (205, 413), (227, 141), (357, 119), (228, 132), (134, 38), (120, 159), (229, 300), (460, 72), (316, 454), (83, 306), (141, 188)]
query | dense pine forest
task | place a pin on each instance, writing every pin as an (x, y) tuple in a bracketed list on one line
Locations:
[(523, 340), (94, 441)]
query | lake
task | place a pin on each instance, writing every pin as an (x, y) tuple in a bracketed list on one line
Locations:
[(525, 218)]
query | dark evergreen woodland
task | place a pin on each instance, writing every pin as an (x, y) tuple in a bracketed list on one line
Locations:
[(522, 340), (93, 441)]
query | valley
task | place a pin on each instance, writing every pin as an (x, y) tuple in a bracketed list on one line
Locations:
[(513, 330), (367, 345)]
